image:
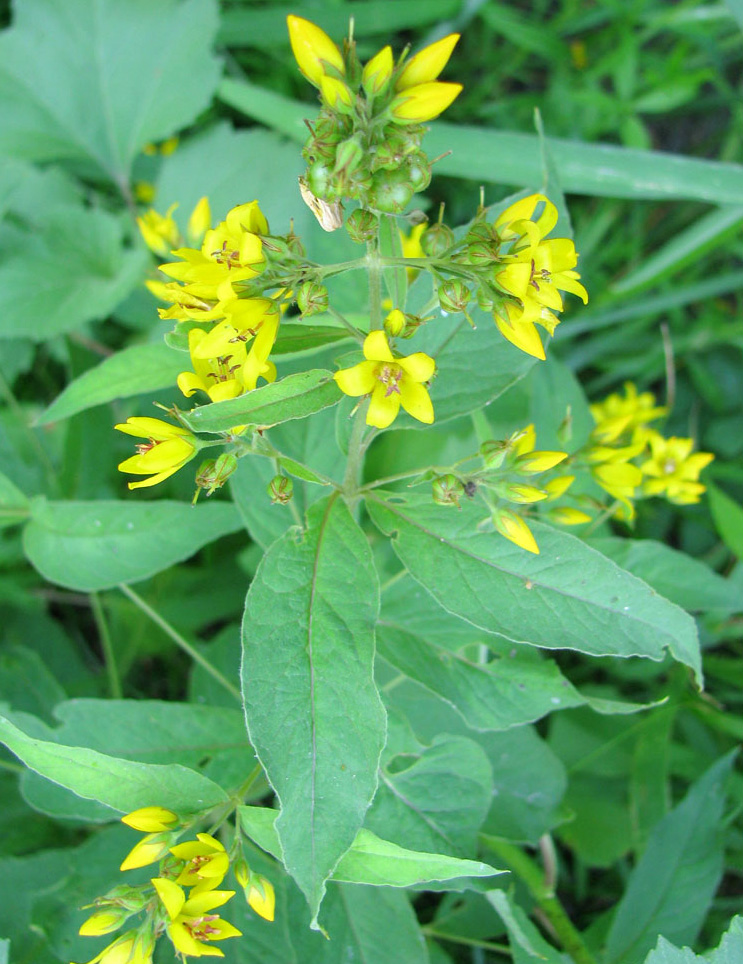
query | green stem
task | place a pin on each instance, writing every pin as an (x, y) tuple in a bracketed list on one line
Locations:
[(179, 640), (531, 875), (354, 332), (109, 656), (391, 478), (466, 941), (375, 285)]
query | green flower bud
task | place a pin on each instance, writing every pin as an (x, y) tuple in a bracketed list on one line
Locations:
[(213, 473), (320, 181), (493, 453), (437, 239), (447, 490), (485, 298), (362, 225), (349, 155), (312, 298), (454, 296), (387, 157), (480, 231), (481, 253), (280, 489), (391, 191), (419, 171)]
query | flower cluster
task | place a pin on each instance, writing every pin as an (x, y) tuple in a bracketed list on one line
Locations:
[(366, 141), (630, 460), (188, 919)]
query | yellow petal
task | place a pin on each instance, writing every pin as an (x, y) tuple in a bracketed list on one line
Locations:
[(313, 49), (154, 428), (416, 401), (383, 408), (377, 72), (150, 819), (514, 528), (200, 220), (428, 64), (523, 335), (419, 367), (423, 102), (358, 380), (376, 347)]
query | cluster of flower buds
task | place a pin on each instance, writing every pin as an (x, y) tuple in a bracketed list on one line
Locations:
[(507, 484), (630, 460), (366, 141), (198, 866)]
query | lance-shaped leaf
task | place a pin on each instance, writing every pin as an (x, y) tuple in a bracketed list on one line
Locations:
[(372, 860), (96, 545), (313, 712), (295, 396), (120, 784), (568, 597)]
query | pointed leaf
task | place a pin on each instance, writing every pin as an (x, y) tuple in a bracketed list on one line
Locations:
[(313, 712)]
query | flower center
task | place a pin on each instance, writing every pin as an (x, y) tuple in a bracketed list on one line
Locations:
[(390, 375), (201, 928), (669, 466), (543, 275), (224, 256), (143, 447)]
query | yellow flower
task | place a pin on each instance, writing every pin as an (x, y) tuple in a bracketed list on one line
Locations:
[(261, 897), (160, 232), (620, 480), (192, 927), (390, 381), (513, 527), (377, 71), (617, 415), (534, 270), (313, 50), (218, 376), (674, 470), (151, 819), (167, 449), (529, 462), (206, 863), (426, 65), (423, 102)]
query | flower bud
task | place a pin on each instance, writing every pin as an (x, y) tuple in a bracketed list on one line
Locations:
[(261, 896), (493, 453), (447, 490), (377, 72), (349, 155), (123, 895), (418, 171), (513, 527), (362, 225), (280, 489), (320, 180), (558, 486), (394, 323), (423, 102), (388, 156), (567, 516), (531, 463), (213, 473), (454, 296), (485, 299), (151, 819), (312, 298), (520, 493), (481, 253), (391, 191), (437, 239), (481, 231), (313, 49), (336, 94), (104, 921), (148, 851)]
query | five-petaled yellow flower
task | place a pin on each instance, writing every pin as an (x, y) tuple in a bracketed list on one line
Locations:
[(672, 470), (391, 381), (192, 926), (167, 449)]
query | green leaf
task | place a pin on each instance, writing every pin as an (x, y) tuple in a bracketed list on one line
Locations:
[(672, 886), (686, 581), (390, 246), (730, 950), (728, 519), (508, 157), (371, 860), (313, 712), (295, 396), (295, 338), (72, 271), (133, 371), (569, 597), (527, 944), (140, 72), (121, 785), (97, 545), (438, 802)]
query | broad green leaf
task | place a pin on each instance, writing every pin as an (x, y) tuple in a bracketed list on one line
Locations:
[(26, 683), (120, 784), (313, 712), (527, 944), (295, 338), (568, 597), (508, 157), (670, 889), (686, 581), (438, 801), (204, 738), (295, 396), (96, 545), (373, 925), (462, 384), (370, 860), (133, 371), (140, 72), (730, 950), (14, 505), (31, 192), (73, 270), (728, 519)]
